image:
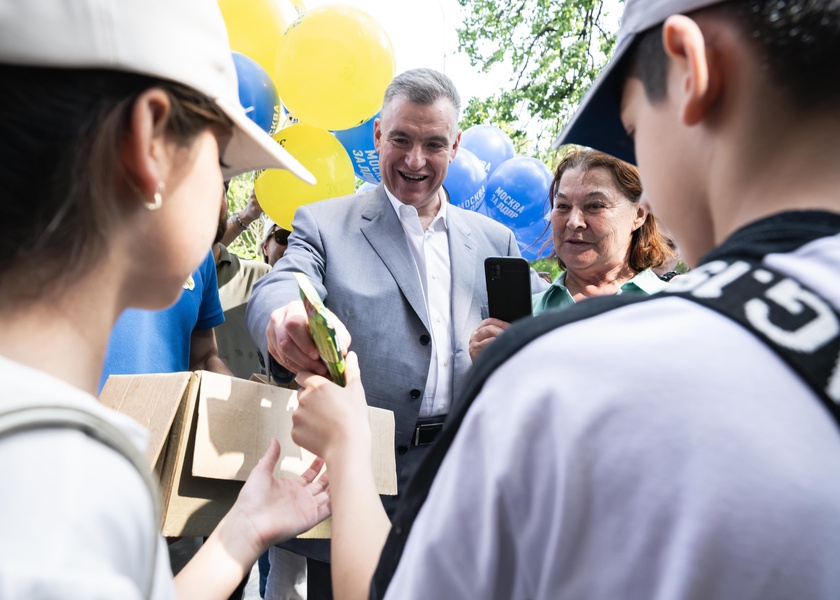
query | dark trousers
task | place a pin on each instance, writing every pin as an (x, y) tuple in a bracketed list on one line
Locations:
[(264, 566), (318, 580)]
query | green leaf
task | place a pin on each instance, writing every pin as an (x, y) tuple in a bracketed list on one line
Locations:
[(554, 51)]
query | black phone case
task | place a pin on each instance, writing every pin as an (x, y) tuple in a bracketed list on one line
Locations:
[(508, 282)]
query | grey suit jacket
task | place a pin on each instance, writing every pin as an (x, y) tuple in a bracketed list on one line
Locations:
[(355, 252)]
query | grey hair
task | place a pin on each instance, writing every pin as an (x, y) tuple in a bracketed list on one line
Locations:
[(422, 86)]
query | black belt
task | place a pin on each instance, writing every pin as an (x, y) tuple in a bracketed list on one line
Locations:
[(427, 430)]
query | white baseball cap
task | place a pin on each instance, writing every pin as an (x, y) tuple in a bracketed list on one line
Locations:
[(184, 41), (268, 227), (597, 120)]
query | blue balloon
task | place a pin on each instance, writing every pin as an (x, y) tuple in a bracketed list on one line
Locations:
[(482, 208), (358, 141), (517, 192), (532, 238), (257, 93), (491, 145), (465, 180)]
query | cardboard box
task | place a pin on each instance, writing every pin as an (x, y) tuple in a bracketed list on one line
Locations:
[(207, 431)]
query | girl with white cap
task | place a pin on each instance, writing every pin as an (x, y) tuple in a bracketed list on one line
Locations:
[(118, 123)]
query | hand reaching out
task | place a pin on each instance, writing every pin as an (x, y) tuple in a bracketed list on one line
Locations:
[(279, 508), (332, 421), (276, 508), (252, 209), (267, 511)]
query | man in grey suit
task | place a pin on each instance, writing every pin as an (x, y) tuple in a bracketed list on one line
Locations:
[(400, 268)]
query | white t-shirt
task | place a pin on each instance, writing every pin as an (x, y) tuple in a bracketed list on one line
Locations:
[(706, 471), (76, 519)]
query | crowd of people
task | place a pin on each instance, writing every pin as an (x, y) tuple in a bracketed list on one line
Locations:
[(547, 458)]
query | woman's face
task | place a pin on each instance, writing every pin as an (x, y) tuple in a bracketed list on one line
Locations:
[(592, 222)]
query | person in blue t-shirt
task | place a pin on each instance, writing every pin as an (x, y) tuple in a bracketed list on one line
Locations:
[(179, 338)]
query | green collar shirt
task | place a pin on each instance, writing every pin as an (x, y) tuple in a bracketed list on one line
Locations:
[(558, 296)]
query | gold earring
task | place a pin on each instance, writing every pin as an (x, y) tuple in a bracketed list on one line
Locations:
[(161, 187)]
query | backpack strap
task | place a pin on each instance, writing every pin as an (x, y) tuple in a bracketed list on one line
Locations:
[(28, 418), (796, 323)]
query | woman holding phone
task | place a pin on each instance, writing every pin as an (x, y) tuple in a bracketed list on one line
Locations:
[(605, 240)]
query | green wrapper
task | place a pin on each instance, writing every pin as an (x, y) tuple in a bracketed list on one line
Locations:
[(323, 334)]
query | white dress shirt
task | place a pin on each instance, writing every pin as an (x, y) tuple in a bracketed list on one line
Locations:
[(430, 249)]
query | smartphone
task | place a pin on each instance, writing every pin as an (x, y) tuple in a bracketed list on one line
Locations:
[(508, 282)]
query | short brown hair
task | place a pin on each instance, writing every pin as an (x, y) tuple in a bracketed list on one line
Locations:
[(648, 247), (797, 42)]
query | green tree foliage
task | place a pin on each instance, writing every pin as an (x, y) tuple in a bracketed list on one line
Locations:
[(554, 48), (547, 265)]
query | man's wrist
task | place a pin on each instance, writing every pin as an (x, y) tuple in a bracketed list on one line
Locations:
[(240, 223)]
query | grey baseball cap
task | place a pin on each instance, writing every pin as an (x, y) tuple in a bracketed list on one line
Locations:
[(597, 123)]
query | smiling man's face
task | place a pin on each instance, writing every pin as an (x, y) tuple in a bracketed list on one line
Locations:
[(416, 143)]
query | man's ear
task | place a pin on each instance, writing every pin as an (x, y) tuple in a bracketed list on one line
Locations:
[(695, 67), (455, 146), (143, 149), (377, 133)]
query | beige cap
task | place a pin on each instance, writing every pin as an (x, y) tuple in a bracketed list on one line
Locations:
[(184, 41)]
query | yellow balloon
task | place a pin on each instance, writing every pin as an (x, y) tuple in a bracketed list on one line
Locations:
[(255, 28), (280, 193), (333, 66)]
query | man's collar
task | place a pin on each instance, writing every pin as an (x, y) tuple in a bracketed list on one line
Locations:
[(397, 204)]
